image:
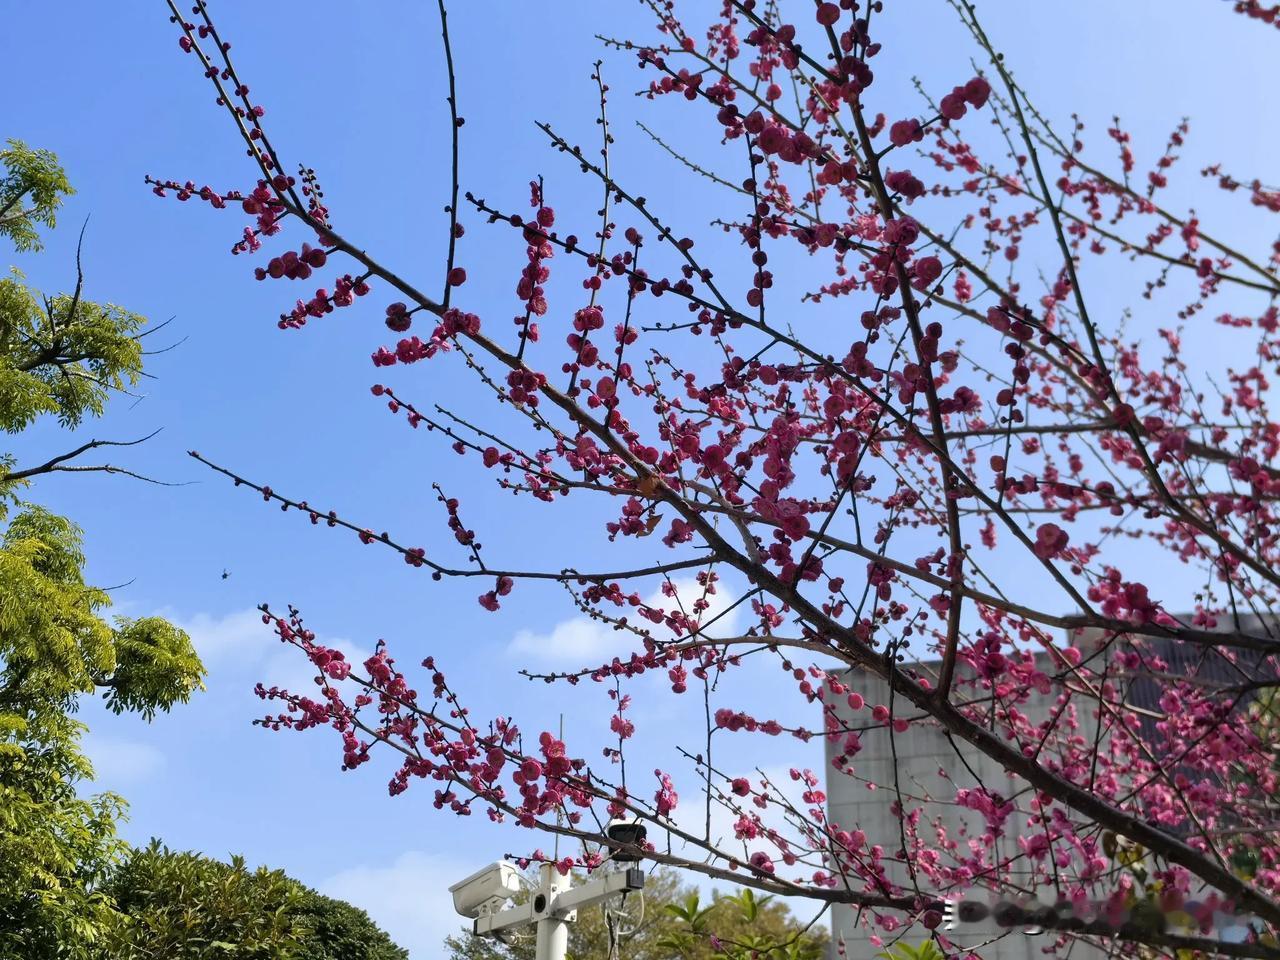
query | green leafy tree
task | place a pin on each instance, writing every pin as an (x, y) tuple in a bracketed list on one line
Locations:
[(742, 926), (184, 906), (335, 930), (70, 888), (55, 847), (675, 923), (31, 190), (61, 357)]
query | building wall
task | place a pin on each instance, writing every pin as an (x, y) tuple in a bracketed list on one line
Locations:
[(922, 751)]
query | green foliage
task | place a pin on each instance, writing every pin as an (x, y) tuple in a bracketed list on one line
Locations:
[(61, 356), (335, 930), (31, 190), (183, 906), (69, 887), (56, 846), (51, 638), (676, 924), (54, 643), (155, 666), (742, 926), (928, 950)]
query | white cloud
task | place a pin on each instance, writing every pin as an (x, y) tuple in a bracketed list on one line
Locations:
[(409, 899), (289, 668), (238, 635), (583, 640), (580, 639), (117, 762), (240, 642)]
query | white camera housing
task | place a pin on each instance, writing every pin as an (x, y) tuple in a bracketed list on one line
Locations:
[(486, 890)]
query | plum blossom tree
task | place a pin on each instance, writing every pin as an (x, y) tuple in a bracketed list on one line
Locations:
[(926, 467)]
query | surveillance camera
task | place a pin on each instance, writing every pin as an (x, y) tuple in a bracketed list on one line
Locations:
[(628, 832), (485, 890)]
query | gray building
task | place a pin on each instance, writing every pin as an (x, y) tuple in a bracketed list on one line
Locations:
[(924, 766), (928, 771)]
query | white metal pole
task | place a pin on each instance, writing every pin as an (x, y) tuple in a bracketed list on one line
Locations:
[(553, 931)]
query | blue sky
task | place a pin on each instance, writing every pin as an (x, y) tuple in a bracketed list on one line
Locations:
[(356, 91)]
